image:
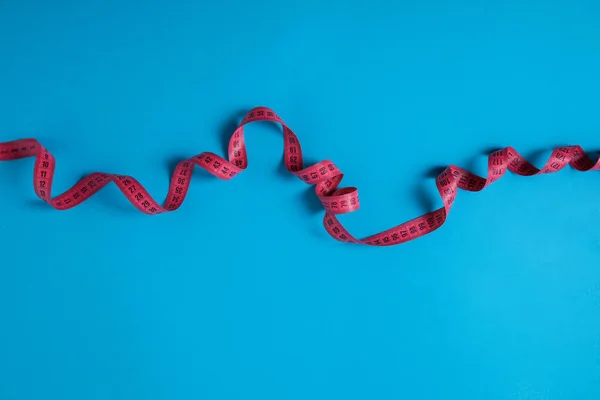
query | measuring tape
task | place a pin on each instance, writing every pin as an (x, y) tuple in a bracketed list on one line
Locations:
[(324, 175)]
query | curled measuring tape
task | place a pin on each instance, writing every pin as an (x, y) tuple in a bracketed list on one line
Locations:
[(324, 175)]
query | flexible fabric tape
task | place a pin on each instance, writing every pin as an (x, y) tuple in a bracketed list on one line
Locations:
[(324, 175)]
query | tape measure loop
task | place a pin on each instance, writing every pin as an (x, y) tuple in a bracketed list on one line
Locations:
[(324, 175)]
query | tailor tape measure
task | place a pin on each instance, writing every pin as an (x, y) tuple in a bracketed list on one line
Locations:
[(324, 175)]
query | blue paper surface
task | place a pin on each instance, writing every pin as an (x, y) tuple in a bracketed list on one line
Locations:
[(240, 294)]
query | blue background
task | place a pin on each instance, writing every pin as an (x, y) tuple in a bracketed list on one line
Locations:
[(241, 294)]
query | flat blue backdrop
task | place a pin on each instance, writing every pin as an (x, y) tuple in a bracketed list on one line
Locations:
[(241, 294)]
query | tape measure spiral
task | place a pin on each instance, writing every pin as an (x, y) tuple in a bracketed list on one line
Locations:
[(324, 175)]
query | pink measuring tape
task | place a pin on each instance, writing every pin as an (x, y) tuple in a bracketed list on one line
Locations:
[(324, 175)]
